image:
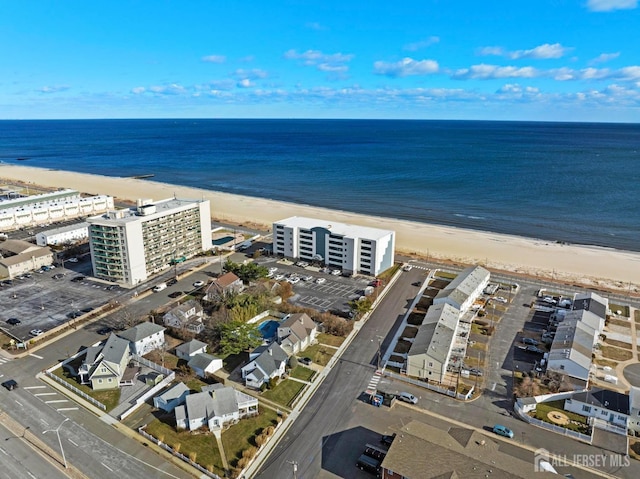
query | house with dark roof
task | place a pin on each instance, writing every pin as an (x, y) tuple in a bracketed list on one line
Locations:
[(265, 362), (144, 337), (604, 404), (296, 333), (223, 286), (215, 407), (105, 365), (189, 349), (203, 364), (634, 410), (456, 453), (186, 316), (172, 397)]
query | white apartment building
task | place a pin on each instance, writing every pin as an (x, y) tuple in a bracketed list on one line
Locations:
[(26, 211), (130, 245), (353, 249), (65, 235)]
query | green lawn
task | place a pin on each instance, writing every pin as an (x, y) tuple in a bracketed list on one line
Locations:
[(301, 372), (241, 436), (624, 309), (543, 409), (204, 446), (109, 398), (195, 384), (330, 339), (445, 275), (319, 354), (284, 393)]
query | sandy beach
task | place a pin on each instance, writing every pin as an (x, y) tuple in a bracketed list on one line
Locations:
[(600, 268)]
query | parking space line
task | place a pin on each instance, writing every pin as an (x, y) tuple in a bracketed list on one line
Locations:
[(45, 394), (56, 401), (67, 409), (36, 356), (34, 387)]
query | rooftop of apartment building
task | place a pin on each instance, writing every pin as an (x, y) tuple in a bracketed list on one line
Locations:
[(339, 229)]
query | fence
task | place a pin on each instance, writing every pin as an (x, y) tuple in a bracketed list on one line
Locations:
[(151, 392), (169, 449), (77, 391), (151, 365), (551, 427), (432, 387)]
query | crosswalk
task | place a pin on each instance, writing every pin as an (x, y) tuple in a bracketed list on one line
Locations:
[(372, 387)]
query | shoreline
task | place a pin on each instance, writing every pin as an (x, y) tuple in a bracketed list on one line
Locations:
[(592, 266)]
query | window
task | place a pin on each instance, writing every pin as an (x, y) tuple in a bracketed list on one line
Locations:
[(99, 381), (586, 408)]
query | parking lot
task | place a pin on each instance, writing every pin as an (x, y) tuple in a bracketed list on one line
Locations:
[(40, 301), (332, 294)]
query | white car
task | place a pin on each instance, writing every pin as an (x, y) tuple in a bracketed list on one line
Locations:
[(279, 277), (406, 397), (336, 272), (273, 269), (321, 280), (72, 260), (407, 267), (198, 284), (35, 332), (308, 278), (294, 280)]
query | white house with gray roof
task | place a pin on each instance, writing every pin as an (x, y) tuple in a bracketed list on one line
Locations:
[(352, 248), (604, 404), (203, 364), (172, 397), (634, 409), (144, 337), (215, 407), (430, 352), (297, 332), (465, 288), (189, 349), (265, 362), (186, 316)]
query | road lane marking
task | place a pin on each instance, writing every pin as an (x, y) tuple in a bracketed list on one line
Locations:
[(67, 409), (73, 443), (19, 403), (36, 356), (34, 387), (45, 422), (106, 466)]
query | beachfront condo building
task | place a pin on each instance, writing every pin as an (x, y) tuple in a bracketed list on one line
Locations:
[(130, 245), (350, 248), (24, 211)]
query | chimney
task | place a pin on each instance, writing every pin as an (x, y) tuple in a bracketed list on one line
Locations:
[(270, 351)]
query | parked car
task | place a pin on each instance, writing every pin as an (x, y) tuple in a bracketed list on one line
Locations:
[(387, 439), (336, 272), (10, 384), (77, 279), (35, 332), (407, 267), (88, 309), (530, 341), (160, 287), (172, 281), (368, 464), (407, 397), (501, 430), (72, 260), (58, 276), (475, 372), (198, 284), (175, 294), (104, 330), (535, 349), (305, 361), (321, 280), (549, 300), (13, 321)]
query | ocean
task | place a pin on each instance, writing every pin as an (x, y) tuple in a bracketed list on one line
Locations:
[(566, 182)]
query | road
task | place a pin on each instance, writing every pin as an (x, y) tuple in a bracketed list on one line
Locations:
[(325, 438)]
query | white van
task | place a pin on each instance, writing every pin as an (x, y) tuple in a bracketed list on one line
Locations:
[(160, 287)]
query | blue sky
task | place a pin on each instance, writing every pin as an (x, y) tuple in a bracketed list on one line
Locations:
[(556, 60)]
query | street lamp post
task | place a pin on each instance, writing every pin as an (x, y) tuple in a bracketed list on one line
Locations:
[(57, 431)]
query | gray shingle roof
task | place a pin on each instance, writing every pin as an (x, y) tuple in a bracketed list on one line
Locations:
[(114, 349), (201, 361), (190, 347), (174, 392), (141, 331), (271, 359)]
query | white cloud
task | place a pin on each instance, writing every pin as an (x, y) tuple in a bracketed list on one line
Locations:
[(315, 26), (541, 52), (54, 89), (320, 60), (172, 89), (629, 73), (138, 90), (422, 44), (604, 57), (245, 83), (254, 74), (490, 72), (610, 5), (214, 59), (406, 67)]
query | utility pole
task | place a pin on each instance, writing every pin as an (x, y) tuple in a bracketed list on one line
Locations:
[(57, 431), (295, 468)]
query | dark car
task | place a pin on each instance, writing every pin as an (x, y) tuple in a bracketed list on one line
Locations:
[(175, 294), (77, 279), (74, 314), (87, 310), (13, 321), (10, 385), (171, 282), (104, 330), (387, 439), (535, 349), (530, 341), (58, 276), (305, 361)]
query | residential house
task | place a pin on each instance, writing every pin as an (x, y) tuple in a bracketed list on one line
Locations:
[(571, 351), (203, 364), (189, 349), (223, 286), (172, 397), (421, 451), (604, 404), (144, 337), (430, 352), (105, 365), (186, 316), (296, 333), (265, 362), (215, 407), (464, 289)]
